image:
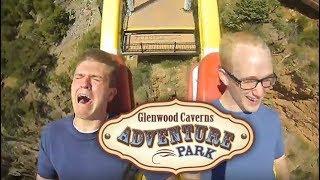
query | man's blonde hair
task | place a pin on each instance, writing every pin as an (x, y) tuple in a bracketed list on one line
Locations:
[(231, 40)]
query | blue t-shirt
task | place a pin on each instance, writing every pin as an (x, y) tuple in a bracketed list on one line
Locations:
[(257, 163), (65, 153)]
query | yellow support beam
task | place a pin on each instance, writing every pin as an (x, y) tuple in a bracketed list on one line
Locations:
[(209, 26), (110, 26)]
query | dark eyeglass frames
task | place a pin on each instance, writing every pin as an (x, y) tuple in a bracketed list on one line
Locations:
[(249, 84)]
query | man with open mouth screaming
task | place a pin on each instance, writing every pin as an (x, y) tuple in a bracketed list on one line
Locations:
[(68, 147)]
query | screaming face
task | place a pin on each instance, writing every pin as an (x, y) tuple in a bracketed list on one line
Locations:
[(90, 90)]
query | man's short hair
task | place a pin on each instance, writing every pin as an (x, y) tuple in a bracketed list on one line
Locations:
[(231, 40), (100, 56)]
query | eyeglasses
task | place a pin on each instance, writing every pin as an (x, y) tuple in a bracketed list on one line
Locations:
[(249, 84)]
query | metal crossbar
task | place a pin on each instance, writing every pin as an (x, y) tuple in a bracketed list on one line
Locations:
[(159, 47)]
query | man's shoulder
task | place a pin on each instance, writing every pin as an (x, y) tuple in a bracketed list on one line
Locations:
[(269, 110), (269, 113), (57, 125)]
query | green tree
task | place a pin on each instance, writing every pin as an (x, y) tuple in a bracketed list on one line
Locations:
[(55, 26), (236, 16), (27, 61), (253, 11), (26, 38)]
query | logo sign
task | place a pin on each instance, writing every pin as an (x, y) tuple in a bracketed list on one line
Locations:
[(176, 136)]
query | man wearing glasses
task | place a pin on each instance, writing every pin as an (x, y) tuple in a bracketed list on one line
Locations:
[(246, 70)]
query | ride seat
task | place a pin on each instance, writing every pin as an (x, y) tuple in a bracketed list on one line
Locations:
[(208, 84), (123, 102)]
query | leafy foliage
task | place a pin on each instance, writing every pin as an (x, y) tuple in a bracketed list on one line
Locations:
[(236, 16), (27, 62), (12, 109), (90, 40), (141, 75), (64, 81), (141, 82), (253, 11), (29, 29), (309, 37), (54, 27)]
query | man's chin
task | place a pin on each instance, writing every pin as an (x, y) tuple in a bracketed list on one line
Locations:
[(251, 106)]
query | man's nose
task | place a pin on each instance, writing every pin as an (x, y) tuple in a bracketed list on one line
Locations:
[(259, 90), (86, 83)]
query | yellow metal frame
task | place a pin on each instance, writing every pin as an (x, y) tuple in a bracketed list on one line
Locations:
[(209, 26), (110, 27)]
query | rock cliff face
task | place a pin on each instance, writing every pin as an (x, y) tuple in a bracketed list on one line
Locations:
[(87, 16)]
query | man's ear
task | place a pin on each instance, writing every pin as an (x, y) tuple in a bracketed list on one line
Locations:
[(223, 76), (112, 93)]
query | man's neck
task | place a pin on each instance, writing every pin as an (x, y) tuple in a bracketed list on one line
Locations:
[(228, 102), (87, 126)]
